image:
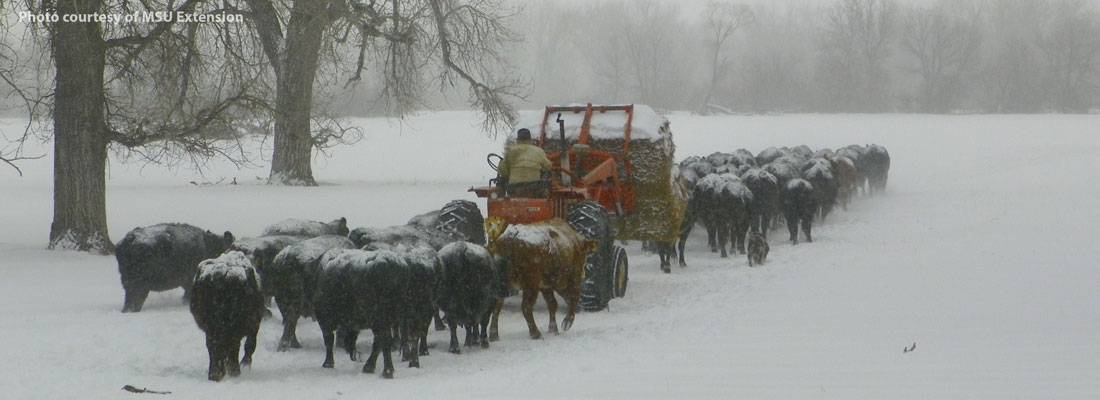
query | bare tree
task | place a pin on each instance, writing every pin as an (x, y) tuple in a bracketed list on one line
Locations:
[(721, 20), (944, 48), (855, 44), (1070, 42), (132, 85), (465, 36)]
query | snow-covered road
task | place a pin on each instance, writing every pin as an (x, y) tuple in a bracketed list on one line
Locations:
[(981, 253)]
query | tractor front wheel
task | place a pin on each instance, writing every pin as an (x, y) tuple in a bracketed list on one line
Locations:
[(621, 272)]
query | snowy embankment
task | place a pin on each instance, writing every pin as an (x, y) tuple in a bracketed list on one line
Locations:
[(981, 252)]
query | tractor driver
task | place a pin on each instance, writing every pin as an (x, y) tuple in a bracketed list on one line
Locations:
[(524, 167)]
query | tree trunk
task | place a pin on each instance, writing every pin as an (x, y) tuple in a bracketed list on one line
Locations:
[(80, 140), (290, 163)]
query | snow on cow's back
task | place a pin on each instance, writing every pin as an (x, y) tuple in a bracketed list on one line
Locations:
[(149, 235), (820, 170), (797, 184), (312, 249), (302, 227), (759, 174), (724, 183), (530, 234), (232, 265)]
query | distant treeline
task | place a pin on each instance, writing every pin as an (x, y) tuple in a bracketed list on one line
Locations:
[(989, 56)]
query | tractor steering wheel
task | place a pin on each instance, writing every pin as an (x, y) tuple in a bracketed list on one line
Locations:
[(494, 159)]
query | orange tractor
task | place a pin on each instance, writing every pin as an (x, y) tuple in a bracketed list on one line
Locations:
[(594, 186)]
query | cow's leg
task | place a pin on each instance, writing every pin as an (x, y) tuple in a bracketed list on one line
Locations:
[(552, 307), (792, 227), (806, 222), (471, 335), (290, 324), (413, 338), (493, 334), (453, 324), (328, 336), (216, 370), (484, 328), (711, 241), (404, 333), (680, 246), (572, 297), (723, 237), (530, 295), (742, 234), (375, 348), (423, 329), (439, 326), (232, 351), (351, 336), (249, 347), (134, 300), (387, 360)]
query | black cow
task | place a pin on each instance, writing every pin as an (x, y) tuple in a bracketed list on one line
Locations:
[(419, 303), (292, 279), (722, 204), (469, 286), (357, 290), (877, 163), (765, 198), (227, 305), (768, 155), (819, 173), (262, 251), (163, 257), (300, 227), (799, 206)]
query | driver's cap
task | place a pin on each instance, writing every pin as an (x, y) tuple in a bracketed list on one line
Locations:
[(523, 134)]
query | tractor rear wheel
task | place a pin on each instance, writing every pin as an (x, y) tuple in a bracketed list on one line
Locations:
[(590, 219), (461, 219)]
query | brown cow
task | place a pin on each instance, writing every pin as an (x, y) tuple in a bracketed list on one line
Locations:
[(545, 257), (847, 177)]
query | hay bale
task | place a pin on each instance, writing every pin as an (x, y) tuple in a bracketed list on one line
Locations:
[(659, 205)]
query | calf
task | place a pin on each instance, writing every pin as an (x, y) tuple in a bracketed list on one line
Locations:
[(799, 206), (292, 278), (358, 290), (300, 227), (163, 257), (545, 257), (227, 305), (469, 286), (758, 248)]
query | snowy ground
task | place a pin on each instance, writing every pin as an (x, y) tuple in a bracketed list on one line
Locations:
[(981, 253)]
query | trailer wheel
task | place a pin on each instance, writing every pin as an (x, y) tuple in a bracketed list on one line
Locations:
[(591, 221), (621, 272), (462, 219)]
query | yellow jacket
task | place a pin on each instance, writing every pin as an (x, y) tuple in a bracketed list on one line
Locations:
[(524, 162)]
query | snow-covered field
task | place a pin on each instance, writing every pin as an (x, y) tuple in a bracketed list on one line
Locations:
[(981, 253)]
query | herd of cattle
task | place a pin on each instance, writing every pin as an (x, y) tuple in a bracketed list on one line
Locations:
[(396, 280), (733, 194), (392, 280)]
